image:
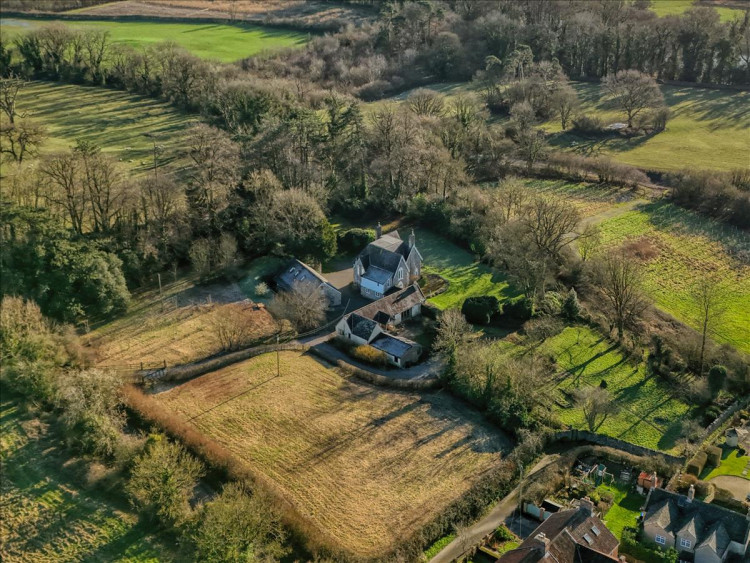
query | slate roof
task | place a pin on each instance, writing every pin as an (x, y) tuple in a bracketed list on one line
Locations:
[(361, 326), (714, 526), (297, 271), (396, 346), (571, 540), (385, 253), (378, 275), (386, 308)]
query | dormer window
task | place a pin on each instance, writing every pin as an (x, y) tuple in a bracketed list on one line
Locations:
[(685, 543)]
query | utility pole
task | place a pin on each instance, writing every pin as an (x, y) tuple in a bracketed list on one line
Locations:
[(278, 371), (520, 501), (159, 276)]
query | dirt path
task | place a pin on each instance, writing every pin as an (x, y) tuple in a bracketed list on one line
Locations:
[(498, 515)]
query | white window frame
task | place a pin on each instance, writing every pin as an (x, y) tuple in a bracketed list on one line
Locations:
[(686, 543), (400, 274), (661, 540)]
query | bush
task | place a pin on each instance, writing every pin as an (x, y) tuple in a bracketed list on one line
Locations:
[(504, 534), (480, 310), (261, 289), (370, 355), (520, 310), (354, 240), (588, 125), (714, 455), (571, 308), (717, 375), (551, 304), (696, 465)]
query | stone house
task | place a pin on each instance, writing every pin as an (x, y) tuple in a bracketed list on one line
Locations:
[(387, 262), (569, 536), (700, 532), (297, 271), (369, 325)]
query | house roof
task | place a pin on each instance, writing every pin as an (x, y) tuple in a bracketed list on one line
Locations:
[(361, 326), (298, 271), (393, 345), (378, 275), (572, 537), (712, 524), (391, 305), (385, 253)]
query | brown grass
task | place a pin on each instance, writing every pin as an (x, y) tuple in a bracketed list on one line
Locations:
[(642, 248), (289, 12), (174, 327), (366, 467)]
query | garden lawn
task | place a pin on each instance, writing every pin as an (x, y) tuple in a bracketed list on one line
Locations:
[(47, 516), (206, 40), (677, 7), (116, 121), (708, 129), (466, 276), (649, 416), (368, 467), (732, 463), (625, 508), (687, 245)]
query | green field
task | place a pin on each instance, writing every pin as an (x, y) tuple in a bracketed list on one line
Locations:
[(47, 515), (684, 245), (677, 7), (207, 40), (708, 129), (116, 121), (649, 416), (466, 276)]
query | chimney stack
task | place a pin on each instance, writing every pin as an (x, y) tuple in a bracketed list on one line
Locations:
[(412, 239), (691, 493), (378, 231), (586, 506), (654, 480)]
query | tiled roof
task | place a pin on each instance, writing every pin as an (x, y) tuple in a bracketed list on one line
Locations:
[(378, 275), (393, 345), (361, 326), (297, 271), (714, 526), (385, 252), (393, 304)]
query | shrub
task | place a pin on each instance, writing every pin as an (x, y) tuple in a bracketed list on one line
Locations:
[(551, 304), (480, 310), (588, 125), (354, 240), (520, 310), (571, 308), (696, 465), (370, 355), (261, 289), (540, 329), (717, 375), (504, 534), (714, 455)]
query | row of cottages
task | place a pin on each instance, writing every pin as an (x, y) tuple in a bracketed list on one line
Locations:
[(299, 272), (570, 536), (369, 325), (700, 532), (387, 262)]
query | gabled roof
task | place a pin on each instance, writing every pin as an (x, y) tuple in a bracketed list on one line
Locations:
[(378, 275), (298, 271), (361, 326), (385, 253), (386, 308), (715, 526), (692, 525), (571, 539)]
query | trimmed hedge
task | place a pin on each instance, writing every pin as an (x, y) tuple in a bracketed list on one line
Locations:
[(520, 310), (714, 455), (696, 465), (354, 240)]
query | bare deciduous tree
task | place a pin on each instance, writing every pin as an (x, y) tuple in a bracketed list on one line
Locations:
[(426, 102), (596, 404), (304, 305), (588, 241), (452, 332), (230, 329), (21, 139), (633, 92), (552, 224), (619, 280), (9, 88), (709, 295)]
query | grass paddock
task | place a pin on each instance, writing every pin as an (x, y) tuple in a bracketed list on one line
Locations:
[(368, 466)]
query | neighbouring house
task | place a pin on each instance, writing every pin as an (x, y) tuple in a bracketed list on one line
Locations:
[(387, 262), (568, 536), (369, 325), (543, 511), (299, 272), (738, 437), (646, 482), (700, 532)]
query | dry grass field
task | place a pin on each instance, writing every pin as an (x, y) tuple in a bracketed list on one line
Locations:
[(174, 327), (367, 466)]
